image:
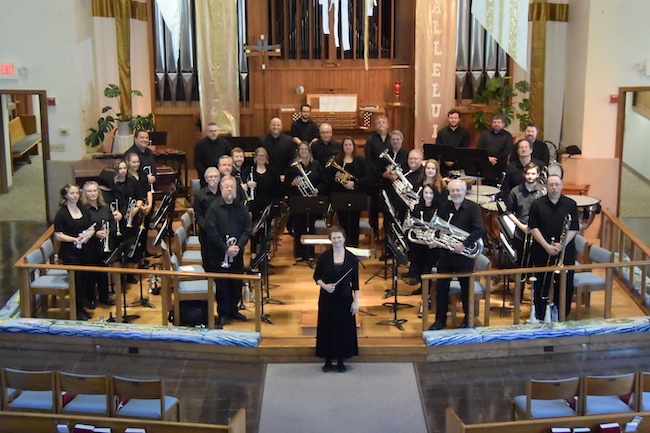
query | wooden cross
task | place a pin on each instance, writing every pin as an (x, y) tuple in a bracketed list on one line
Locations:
[(263, 49)]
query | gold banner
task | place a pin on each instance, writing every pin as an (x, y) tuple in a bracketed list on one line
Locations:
[(104, 8), (549, 12), (435, 84)]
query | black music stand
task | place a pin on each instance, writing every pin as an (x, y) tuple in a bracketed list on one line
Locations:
[(351, 202), (392, 222), (308, 206), (399, 257), (119, 254), (261, 263), (441, 153), (475, 162)]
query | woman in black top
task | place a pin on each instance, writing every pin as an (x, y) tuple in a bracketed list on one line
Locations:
[(102, 243), (263, 183), (73, 229), (337, 275), (357, 167), (144, 202), (303, 222)]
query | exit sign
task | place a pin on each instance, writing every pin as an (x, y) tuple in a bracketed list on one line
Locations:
[(7, 70)]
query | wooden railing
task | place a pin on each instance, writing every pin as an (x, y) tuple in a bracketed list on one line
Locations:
[(620, 240), (17, 422), (166, 276)]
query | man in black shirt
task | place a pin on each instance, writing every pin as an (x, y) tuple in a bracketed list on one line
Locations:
[(465, 215), (304, 129), (515, 170), (540, 149), (453, 135), (279, 146), (147, 158), (228, 229), (208, 151), (374, 146), (203, 199), (498, 143), (325, 148), (548, 222)]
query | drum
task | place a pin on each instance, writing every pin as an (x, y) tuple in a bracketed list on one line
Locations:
[(589, 207), (490, 212), (485, 190), (480, 199)]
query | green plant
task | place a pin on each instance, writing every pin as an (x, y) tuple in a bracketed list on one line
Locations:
[(498, 94), (107, 124)]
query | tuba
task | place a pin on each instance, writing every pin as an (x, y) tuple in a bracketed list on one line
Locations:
[(305, 186), (345, 177), (441, 234), (402, 186)]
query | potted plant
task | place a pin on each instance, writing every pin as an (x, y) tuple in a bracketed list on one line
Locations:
[(126, 123), (497, 95)]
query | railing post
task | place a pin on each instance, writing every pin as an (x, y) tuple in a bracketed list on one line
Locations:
[(72, 283), (426, 289), (119, 304), (470, 301), (563, 300), (211, 301), (258, 305), (609, 277), (517, 312)]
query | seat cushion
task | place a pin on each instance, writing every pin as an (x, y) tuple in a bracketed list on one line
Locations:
[(454, 288), (33, 400), (545, 408), (597, 405), (587, 279), (200, 286), (86, 403), (191, 256), (140, 408), (51, 282), (193, 241)]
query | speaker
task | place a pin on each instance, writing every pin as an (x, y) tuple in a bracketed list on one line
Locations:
[(193, 314)]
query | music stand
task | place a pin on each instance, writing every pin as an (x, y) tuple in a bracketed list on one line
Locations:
[(261, 263), (307, 206), (441, 153), (389, 213), (350, 202), (398, 257), (119, 254), (475, 162)]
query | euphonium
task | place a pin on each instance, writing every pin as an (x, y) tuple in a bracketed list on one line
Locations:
[(107, 230), (345, 176), (402, 186), (441, 234), (305, 186)]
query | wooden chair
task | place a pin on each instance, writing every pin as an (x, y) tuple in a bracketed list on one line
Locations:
[(581, 246), (193, 290), (587, 282), (605, 394), (83, 394), (48, 255), (547, 399), (46, 285), (28, 391), (643, 393), (146, 399), (481, 290), (186, 256)]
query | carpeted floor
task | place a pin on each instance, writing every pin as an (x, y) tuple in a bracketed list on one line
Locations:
[(26, 198), (367, 398)]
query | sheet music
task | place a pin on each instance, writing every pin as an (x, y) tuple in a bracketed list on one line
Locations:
[(338, 103)]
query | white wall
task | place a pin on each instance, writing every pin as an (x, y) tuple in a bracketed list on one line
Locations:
[(606, 38), (52, 39), (636, 142)]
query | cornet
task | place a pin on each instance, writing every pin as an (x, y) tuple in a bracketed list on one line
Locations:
[(107, 229), (149, 172), (115, 205), (130, 212), (85, 235), (251, 190), (227, 260)]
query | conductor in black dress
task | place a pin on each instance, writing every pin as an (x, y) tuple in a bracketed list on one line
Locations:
[(337, 275), (228, 229)]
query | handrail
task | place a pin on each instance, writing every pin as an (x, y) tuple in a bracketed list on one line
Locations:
[(609, 271), (25, 298)]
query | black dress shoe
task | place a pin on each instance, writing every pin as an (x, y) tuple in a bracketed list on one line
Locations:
[(465, 323), (414, 281), (406, 275), (81, 315), (131, 279), (222, 321), (108, 301), (327, 368), (91, 305), (341, 367), (437, 325), (417, 292), (239, 316)]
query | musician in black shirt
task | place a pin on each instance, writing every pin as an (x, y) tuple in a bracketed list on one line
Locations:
[(304, 129), (374, 146)]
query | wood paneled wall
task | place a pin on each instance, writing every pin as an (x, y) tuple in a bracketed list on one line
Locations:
[(182, 132)]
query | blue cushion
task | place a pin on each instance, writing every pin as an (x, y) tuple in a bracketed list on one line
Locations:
[(545, 408), (200, 286), (33, 400), (587, 279), (191, 256), (87, 403), (601, 404), (149, 408)]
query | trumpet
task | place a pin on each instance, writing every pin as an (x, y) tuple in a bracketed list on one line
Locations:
[(149, 172), (114, 206), (107, 229), (345, 176), (441, 234), (130, 212), (251, 191), (402, 186), (305, 186), (227, 260), (85, 235)]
